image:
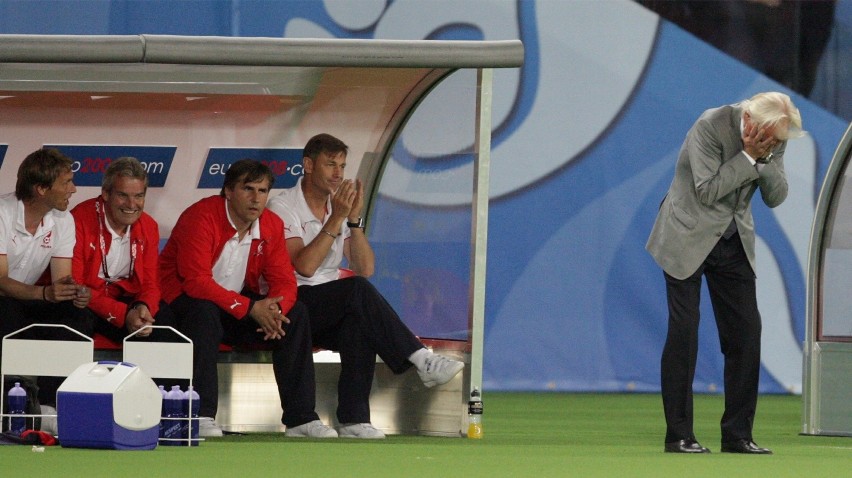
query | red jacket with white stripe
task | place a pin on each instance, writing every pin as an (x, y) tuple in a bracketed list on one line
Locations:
[(200, 234)]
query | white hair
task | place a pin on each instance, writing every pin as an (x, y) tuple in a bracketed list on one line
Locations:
[(775, 109)]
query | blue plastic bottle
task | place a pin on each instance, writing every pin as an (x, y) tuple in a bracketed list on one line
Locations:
[(191, 404), (17, 406), (172, 408)]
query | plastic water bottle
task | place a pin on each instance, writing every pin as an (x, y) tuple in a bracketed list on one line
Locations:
[(17, 406), (173, 413), (474, 415), (162, 409), (191, 404)]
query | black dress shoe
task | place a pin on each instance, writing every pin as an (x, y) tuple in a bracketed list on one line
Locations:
[(744, 446), (685, 446)]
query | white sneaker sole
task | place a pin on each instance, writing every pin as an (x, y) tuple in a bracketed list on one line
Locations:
[(455, 371)]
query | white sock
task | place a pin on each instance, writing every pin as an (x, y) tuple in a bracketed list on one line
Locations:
[(419, 357)]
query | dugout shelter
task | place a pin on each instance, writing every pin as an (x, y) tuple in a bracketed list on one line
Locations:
[(187, 107)]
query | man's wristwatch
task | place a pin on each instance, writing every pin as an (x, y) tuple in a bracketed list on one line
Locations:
[(356, 225), (765, 160)]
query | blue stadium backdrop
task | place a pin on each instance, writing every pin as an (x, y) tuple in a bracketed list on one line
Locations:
[(584, 143)]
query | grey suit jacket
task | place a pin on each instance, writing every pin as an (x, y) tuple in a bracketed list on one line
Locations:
[(713, 183)]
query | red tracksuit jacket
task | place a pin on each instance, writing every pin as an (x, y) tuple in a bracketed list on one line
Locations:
[(142, 285), (201, 231)]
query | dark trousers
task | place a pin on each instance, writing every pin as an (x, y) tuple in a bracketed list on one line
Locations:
[(731, 283), (292, 356), (17, 314), (351, 317)]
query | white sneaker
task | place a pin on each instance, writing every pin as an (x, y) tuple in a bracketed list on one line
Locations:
[(359, 430), (438, 370), (48, 424), (207, 427), (314, 429)]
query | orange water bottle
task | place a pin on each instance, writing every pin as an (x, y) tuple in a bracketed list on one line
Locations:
[(474, 415)]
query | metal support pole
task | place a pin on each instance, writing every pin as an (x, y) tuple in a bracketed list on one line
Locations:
[(479, 223)]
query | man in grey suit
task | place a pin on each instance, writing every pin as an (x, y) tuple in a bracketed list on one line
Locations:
[(705, 228)]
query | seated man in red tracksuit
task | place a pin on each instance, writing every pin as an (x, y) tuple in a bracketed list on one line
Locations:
[(116, 255), (226, 273)]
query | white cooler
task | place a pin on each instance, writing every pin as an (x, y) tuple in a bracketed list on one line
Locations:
[(108, 405)]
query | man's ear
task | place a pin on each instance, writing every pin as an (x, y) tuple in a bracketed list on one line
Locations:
[(307, 164)]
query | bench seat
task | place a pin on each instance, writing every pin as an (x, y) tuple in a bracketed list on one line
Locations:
[(399, 404)]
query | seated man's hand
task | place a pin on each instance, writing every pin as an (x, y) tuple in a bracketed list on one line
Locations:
[(65, 289), (343, 199), (139, 317), (268, 316), (82, 297)]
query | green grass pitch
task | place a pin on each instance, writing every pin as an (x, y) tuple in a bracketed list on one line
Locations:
[(526, 434)]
